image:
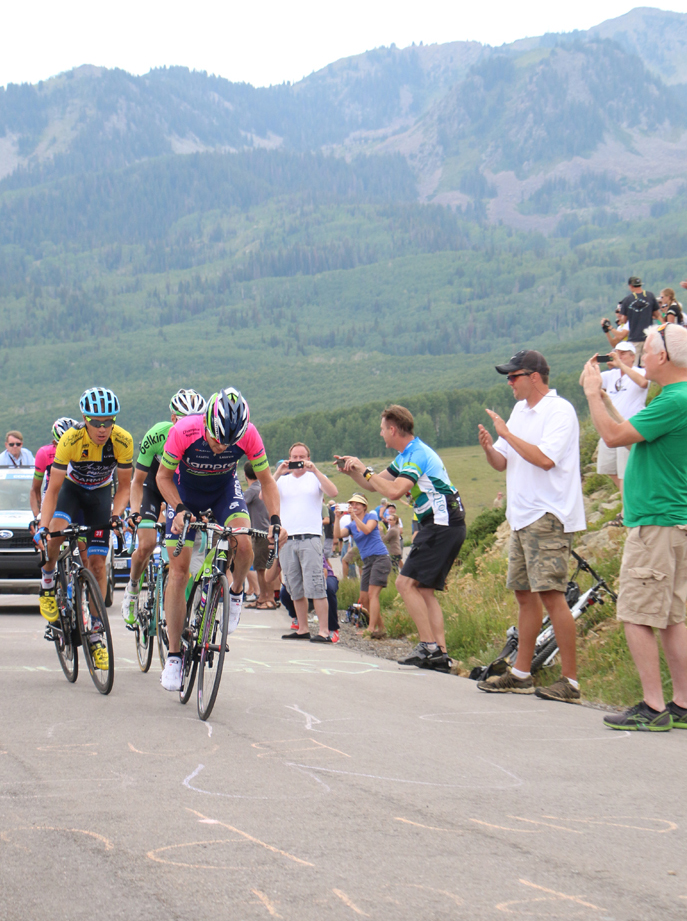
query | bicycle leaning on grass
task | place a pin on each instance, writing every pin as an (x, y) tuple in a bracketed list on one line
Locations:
[(151, 609), (82, 618), (204, 636)]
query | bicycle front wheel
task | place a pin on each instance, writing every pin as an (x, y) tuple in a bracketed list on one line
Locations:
[(144, 640), (62, 634), (189, 645), (159, 613), (94, 627), (213, 646)]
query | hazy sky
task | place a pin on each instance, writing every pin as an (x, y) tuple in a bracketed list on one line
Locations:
[(260, 41)]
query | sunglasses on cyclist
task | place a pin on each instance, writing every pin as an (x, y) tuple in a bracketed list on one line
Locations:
[(662, 330), (100, 423), (513, 377)]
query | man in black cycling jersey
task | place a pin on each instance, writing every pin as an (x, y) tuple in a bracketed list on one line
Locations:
[(146, 500), (81, 485), (198, 472)]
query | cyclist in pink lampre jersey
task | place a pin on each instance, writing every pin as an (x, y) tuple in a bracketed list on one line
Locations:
[(198, 471), (43, 464)]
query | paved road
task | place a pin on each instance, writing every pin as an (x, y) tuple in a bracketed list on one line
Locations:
[(327, 785)]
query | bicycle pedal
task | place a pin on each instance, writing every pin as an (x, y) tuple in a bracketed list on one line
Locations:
[(132, 627), (48, 635)]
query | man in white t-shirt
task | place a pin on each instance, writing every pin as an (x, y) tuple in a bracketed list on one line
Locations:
[(627, 389), (539, 450), (301, 489)]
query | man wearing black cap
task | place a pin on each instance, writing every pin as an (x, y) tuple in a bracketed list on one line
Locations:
[(640, 307), (539, 450)]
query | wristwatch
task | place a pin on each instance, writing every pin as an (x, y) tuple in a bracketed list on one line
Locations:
[(367, 473)]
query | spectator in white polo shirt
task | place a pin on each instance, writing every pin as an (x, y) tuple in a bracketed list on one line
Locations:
[(301, 489), (627, 388), (539, 450)]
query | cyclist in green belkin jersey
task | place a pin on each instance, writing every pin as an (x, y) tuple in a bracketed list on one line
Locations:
[(145, 496)]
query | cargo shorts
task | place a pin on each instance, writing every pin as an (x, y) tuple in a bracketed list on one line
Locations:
[(538, 556), (653, 576)]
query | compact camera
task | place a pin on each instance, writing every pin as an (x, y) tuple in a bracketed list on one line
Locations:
[(342, 507), (296, 465)]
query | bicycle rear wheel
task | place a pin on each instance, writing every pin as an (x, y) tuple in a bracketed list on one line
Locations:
[(161, 623), (189, 645), (96, 639), (541, 655), (144, 641), (213, 646), (62, 635)]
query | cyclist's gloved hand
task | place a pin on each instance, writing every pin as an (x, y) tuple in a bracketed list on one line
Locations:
[(116, 523), (40, 537), (133, 520)]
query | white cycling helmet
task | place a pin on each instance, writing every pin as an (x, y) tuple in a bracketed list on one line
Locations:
[(187, 403)]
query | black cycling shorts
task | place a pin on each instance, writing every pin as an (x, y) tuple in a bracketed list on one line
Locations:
[(432, 554), (90, 507), (151, 504)]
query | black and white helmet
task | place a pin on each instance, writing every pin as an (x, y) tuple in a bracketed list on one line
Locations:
[(227, 416), (187, 403), (61, 425)]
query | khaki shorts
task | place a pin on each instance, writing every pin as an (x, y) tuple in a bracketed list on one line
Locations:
[(612, 461), (538, 557), (653, 576)]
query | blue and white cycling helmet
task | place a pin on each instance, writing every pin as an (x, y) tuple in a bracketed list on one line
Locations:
[(61, 425), (227, 416), (187, 403), (99, 401)]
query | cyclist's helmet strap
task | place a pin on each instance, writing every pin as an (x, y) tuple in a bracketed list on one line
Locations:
[(61, 425), (187, 403), (99, 401), (227, 416)]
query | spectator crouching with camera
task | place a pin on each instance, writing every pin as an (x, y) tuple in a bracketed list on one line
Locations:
[(301, 490)]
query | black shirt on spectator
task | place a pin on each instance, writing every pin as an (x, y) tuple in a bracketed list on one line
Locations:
[(639, 310)]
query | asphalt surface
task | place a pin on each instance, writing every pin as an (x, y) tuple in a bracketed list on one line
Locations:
[(326, 785)]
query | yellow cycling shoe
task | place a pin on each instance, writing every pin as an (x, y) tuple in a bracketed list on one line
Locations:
[(100, 656), (48, 605)]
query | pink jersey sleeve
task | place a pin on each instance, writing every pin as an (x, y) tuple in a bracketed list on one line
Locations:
[(44, 458), (182, 434), (252, 446)]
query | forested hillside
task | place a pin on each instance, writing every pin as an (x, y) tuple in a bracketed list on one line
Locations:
[(422, 214)]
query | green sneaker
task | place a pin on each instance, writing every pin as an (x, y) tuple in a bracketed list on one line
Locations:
[(679, 715), (640, 718), (130, 608)]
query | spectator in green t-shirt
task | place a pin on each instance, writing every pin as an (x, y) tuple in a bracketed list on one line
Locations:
[(653, 575)]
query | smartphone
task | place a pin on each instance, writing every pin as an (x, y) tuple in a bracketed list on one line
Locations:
[(342, 507), (604, 358), (340, 463), (296, 465)]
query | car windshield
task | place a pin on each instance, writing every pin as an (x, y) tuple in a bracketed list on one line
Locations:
[(14, 494)]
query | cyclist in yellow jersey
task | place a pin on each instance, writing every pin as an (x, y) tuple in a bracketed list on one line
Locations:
[(80, 489)]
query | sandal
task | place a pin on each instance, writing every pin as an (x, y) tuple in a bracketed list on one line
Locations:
[(376, 635), (266, 605)]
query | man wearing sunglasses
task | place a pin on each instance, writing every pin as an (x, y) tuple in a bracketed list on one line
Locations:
[(653, 573), (539, 449), (80, 489), (15, 454)]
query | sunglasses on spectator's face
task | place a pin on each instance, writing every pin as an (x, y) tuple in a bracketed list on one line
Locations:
[(14, 444), (662, 330), (100, 423), (513, 377)]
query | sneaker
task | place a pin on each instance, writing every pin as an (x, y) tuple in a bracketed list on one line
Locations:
[(130, 607), (640, 718), (439, 661), (560, 690), (334, 636), (679, 715), (294, 625), (507, 683), (235, 602), (48, 605), (99, 654), (170, 679), (419, 657)]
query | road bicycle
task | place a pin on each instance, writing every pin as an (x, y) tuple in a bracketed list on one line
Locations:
[(204, 636), (151, 621), (82, 617), (546, 645)]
